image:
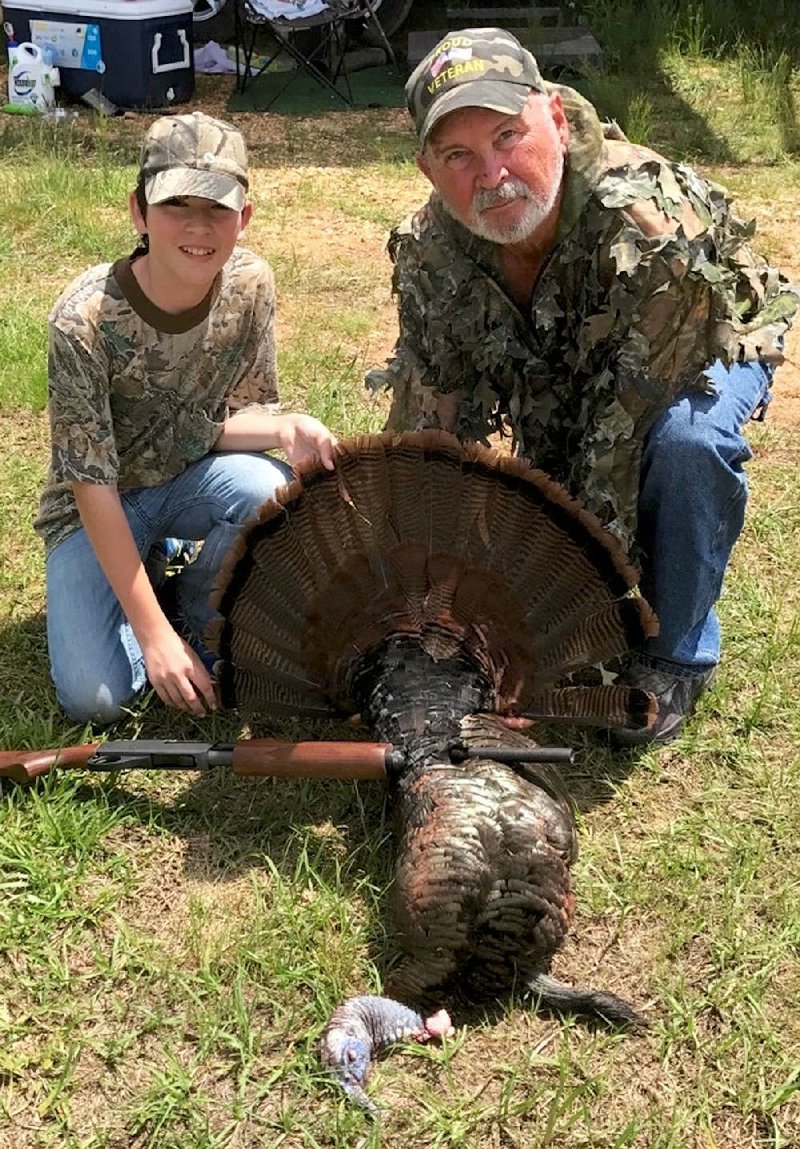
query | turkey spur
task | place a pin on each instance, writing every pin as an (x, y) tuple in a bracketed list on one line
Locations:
[(436, 588)]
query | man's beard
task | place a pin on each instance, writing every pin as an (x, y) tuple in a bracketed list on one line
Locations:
[(537, 209)]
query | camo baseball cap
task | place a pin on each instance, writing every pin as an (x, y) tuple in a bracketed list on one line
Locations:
[(197, 155), (474, 68)]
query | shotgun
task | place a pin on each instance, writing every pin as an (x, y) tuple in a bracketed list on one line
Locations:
[(249, 757)]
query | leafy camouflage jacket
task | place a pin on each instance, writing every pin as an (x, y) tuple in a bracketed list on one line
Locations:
[(620, 321), (137, 394)]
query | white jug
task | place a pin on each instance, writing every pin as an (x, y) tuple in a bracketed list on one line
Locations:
[(32, 79)]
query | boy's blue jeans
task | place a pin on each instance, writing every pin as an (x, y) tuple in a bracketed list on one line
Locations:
[(692, 499), (95, 659)]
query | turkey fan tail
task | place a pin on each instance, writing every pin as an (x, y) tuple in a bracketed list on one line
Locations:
[(596, 1004), (364, 486), (457, 547), (554, 524), (424, 474), (583, 640), (609, 706)]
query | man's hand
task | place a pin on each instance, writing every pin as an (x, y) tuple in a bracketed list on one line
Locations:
[(304, 439), (177, 674)]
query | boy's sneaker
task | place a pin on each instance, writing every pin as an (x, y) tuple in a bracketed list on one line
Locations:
[(675, 695)]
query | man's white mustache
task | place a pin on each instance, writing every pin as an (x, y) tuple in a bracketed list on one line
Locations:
[(506, 193)]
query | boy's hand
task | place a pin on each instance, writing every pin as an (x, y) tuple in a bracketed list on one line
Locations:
[(517, 723), (304, 439), (177, 674)]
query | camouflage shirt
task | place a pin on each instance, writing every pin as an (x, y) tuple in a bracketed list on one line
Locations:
[(137, 394), (622, 317)]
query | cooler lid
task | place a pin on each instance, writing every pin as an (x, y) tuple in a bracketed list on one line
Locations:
[(101, 9)]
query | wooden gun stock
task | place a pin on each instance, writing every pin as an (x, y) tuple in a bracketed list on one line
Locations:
[(25, 766), (261, 757)]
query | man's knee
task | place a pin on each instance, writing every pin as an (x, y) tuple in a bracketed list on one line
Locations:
[(692, 440)]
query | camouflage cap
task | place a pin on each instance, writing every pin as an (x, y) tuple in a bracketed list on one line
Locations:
[(474, 68), (197, 155)]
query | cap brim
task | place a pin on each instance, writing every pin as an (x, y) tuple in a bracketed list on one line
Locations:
[(217, 186), (497, 95)]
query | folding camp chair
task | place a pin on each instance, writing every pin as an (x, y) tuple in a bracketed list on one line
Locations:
[(328, 26)]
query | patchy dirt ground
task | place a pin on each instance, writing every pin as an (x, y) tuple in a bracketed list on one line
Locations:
[(778, 227)]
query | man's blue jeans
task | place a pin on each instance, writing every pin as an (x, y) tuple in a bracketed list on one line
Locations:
[(691, 510), (95, 659)]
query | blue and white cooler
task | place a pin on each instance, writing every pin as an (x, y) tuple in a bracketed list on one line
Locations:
[(138, 53)]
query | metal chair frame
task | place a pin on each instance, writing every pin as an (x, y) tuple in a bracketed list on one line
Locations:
[(325, 62)]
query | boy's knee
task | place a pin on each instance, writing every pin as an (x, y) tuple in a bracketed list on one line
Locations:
[(93, 702), (274, 474), (263, 477)]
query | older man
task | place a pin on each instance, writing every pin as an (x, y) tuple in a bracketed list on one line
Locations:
[(603, 302)]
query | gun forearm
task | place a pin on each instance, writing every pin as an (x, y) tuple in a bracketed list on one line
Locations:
[(263, 757)]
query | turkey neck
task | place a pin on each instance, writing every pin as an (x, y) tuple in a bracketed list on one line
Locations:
[(410, 699)]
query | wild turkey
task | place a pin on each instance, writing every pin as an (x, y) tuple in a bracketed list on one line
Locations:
[(433, 587)]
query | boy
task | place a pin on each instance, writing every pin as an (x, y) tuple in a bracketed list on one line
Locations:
[(163, 396)]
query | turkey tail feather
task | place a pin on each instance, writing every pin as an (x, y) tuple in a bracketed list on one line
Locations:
[(609, 705), (593, 1003)]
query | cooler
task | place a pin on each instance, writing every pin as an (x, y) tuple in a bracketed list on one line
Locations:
[(138, 53)]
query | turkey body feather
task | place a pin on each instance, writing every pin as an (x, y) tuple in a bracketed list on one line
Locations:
[(433, 587)]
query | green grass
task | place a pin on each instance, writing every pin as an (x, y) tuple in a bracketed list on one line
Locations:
[(713, 80), (170, 947)]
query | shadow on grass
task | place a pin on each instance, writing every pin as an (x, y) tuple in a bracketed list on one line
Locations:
[(671, 126), (29, 716), (642, 40), (329, 835), (339, 831), (788, 123), (35, 721)]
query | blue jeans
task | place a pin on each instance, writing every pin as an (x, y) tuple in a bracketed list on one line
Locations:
[(692, 499), (95, 659)]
